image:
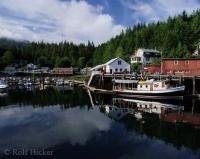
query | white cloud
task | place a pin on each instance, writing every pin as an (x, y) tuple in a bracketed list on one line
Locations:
[(154, 10), (73, 125), (54, 20)]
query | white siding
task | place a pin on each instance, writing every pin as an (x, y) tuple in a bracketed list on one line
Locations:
[(140, 54), (116, 66)]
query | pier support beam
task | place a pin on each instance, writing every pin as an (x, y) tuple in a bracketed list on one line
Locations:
[(180, 80), (194, 85)]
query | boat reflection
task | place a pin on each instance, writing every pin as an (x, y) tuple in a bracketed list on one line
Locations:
[(177, 123), (170, 111), (121, 107)]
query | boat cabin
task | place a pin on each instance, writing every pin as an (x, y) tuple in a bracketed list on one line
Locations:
[(148, 85)]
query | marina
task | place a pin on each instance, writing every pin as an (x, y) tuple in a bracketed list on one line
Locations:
[(99, 79), (105, 82), (103, 123)]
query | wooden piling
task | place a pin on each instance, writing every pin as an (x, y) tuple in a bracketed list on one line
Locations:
[(194, 85)]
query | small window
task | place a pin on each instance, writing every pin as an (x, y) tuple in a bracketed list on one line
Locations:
[(146, 86), (139, 59), (175, 62), (116, 70), (140, 86), (187, 62), (187, 71), (147, 58), (119, 62), (120, 69)]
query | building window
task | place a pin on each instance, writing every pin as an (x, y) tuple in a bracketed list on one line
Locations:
[(138, 59), (116, 70), (175, 62), (120, 69), (125, 70), (147, 58), (187, 62), (187, 71), (119, 62)]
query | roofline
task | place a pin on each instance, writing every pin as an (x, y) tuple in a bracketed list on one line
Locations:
[(148, 49), (112, 60), (181, 59)]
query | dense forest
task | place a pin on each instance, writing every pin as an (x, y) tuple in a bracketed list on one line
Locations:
[(175, 37)]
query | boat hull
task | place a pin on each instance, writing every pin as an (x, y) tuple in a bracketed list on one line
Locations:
[(168, 94)]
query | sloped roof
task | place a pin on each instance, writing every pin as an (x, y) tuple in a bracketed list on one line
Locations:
[(111, 61), (107, 63), (149, 50)]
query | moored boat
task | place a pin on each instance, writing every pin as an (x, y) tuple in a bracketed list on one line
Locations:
[(148, 89), (3, 86)]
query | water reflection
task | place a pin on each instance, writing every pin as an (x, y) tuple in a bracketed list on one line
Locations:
[(25, 127), (171, 121), (75, 123)]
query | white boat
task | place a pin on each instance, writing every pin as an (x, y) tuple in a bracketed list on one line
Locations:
[(3, 86), (149, 88), (28, 83), (60, 82)]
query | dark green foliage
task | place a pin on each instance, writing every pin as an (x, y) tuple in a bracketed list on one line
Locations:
[(7, 58), (63, 62), (63, 54), (176, 37), (136, 67)]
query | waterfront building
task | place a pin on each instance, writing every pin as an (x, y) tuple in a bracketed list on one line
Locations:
[(116, 65), (62, 71), (181, 66), (86, 71), (145, 56), (44, 69), (152, 69), (31, 66), (10, 70)]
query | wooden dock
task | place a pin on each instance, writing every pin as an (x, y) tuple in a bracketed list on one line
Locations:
[(104, 91), (103, 82)]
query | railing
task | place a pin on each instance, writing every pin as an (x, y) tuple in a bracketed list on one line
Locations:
[(92, 75)]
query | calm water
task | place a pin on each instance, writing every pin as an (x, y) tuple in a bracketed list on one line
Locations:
[(57, 123)]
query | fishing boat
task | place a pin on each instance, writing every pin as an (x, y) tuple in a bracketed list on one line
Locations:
[(148, 89)]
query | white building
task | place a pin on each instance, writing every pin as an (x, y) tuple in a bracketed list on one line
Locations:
[(116, 65), (145, 56), (197, 51), (31, 66), (10, 70)]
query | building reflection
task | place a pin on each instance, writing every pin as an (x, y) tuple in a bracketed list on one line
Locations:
[(174, 122), (171, 112)]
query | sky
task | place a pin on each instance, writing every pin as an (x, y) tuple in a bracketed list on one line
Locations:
[(80, 21)]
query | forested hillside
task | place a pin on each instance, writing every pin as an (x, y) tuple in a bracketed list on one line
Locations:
[(63, 54), (175, 37)]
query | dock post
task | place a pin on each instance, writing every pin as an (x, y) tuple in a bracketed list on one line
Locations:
[(193, 105), (180, 79), (193, 84)]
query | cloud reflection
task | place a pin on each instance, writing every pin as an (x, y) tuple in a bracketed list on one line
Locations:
[(46, 127)]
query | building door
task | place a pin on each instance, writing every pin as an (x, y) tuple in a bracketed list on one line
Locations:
[(110, 71)]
